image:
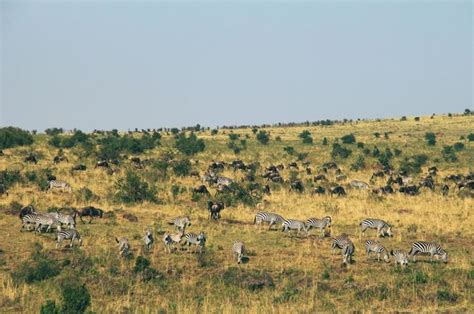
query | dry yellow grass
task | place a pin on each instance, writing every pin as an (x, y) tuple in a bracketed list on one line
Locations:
[(296, 265)]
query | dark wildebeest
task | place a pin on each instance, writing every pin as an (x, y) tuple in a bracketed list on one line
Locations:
[(319, 190), (194, 174), (89, 211), (377, 174), (308, 171), (27, 210), (384, 190), (428, 182), (216, 166), (454, 177), (466, 184), (3, 190), (433, 170), (398, 180), (102, 164), (114, 161), (409, 190), (222, 188), (266, 189), (136, 161), (80, 167), (293, 165), (445, 190), (238, 165), (330, 165), (297, 186), (338, 190), (201, 190), (31, 159), (320, 177), (215, 209), (58, 159)]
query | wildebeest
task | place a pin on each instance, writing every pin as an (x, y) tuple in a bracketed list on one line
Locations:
[(454, 177), (91, 212), (297, 186), (409, 190), (398, 180), (216, 166), (377, 174), (466, 185), (293, 165), (320, 177), (266, 189), (221, 188), (427, 182), (433, 170), (3, 190), (136, 161), (80, 167), (319, 190), (338, 190), (58, 159), (215, 209), (445, 190), (341, 177), (200, 190), (194, 174), (238, 165), (330, 165), (308, 171), (102, 164), (31, 159)]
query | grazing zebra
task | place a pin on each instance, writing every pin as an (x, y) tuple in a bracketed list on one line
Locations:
[(195, 239), (239, 250), (70, 234), (339, 242), (292, 224), (43, 220), (170, 239), (357, 184), (124, 246), (28, 220), (68, 220), (382, 227), (270, 218), (60, 185), (181, 223), (148, 239), (347, 251), (431, 248), (320, 224), (377, 248), (400, 257)]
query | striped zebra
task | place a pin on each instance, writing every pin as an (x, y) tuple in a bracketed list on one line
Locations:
[(292, 224), (48, 221), (59, 185), (181, 223), (400, 257), (195, 239), (68, 220), (170, 239), (339, 242), (377, 248), (124, 247), (428, 248), (320, 224), (28, 220), (347, 251), (71, 234), (270, 218), (382, 227), (148, 239), (239, 250), (224, 181)]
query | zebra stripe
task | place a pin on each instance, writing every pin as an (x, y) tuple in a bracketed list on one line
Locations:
[(195, 239), (60, 185), (400, 257), (339, 242), (148, 239), (431, 248), (28, 220), (239, 250), (320, 224), (382, 227), (170, 240), (45, 220), (181, 223), (347, 251), (124, 246), (67, 220), (70, 234), (292, 224), (377, 248), (266, 217)]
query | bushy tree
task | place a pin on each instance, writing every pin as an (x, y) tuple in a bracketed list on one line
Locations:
[(182, 167), (340, 151), (306, 137), (348, 139), (76, 297), (53, 131), (189, 145), (12, 137), (263, 137), (133, 189), (430, 137)]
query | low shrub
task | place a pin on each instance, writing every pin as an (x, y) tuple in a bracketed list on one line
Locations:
[(133, 189), (12, 137)]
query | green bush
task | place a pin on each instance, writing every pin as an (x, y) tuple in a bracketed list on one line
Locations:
[(263, 137), (306, 137), (325, 141), (458, 146), (233, 136), (9, 177), (112, 146), (38, 268), (132, 189), (348, 139), (182, 168), (449, 153), (339, 151), (470, 137), (189, 145), (75, 296), (430, 137), (290, 150), (359, 163), (53, 131), (444, 295), (12, 137), (49, 308), (413, 164)]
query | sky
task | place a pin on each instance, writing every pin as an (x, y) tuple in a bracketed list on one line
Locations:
[(150, 64)]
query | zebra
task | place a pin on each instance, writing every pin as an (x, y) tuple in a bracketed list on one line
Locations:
[(400, 257), (170, 239), (181, 223), (382, 227), (339, 242), (148, 239), (239, 250), (320, 224), (195, 239), (357, 184), (43, 220), (292, 224), (224, 181), (28, 220), (124, 247), (376, 247), (71, 234), (68, 220), (425, 248), (60, 185), (347, 251), (271, 218)]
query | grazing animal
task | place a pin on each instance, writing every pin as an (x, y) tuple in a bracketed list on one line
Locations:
[(377, 248), (68, 220), (170, 239), (292, 224), (428, 248), (80, 167), (71, 234), (239, 250), (27, 210), (266, 189), (59, 185), (124, 247), (31, 159), (91, 212), (48, 221), (148, 239), (308, 171), (58, 159), (339, 242), (433, 170), (28, 220), (330, 165), (445, 190), (400, 257), (195, 239), (382, 227), (320, 177), (341, 177), (3, 190), (319, 190), (102, 164), (320, 224), (357, 184), (270, 218), (297, 186), (201, 190), (338, 190), (375, 175), (409, 190), (347, 252), (215, 209), (181, 223)]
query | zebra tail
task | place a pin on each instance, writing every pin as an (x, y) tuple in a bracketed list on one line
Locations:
[(411, 251), (116, 240)]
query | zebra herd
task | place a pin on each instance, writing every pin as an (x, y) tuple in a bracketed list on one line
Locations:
[(345, 244)]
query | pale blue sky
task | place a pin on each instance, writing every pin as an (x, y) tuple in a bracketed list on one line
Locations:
[(104, 64)]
